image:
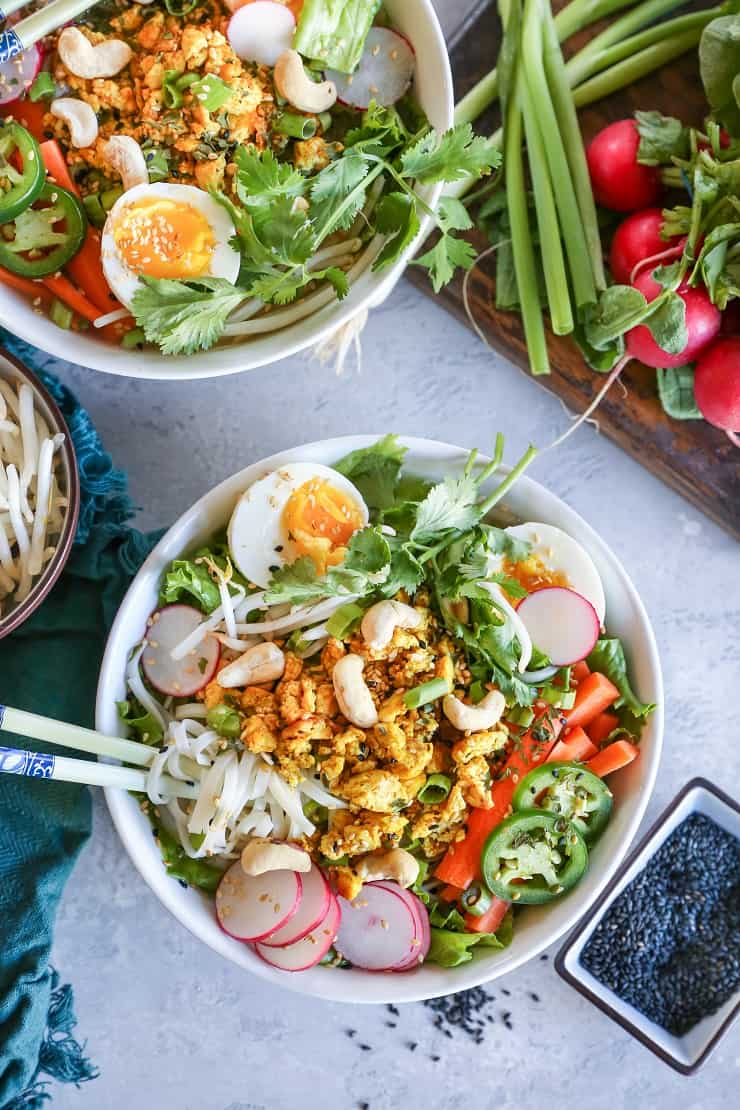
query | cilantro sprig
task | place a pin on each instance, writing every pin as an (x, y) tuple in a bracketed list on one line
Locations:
[(281, 219)]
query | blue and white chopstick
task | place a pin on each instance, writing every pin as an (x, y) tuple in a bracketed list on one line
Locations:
[(40, 765), (17, 761), (14, 40)]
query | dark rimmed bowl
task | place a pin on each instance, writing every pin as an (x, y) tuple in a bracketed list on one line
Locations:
[(687, 1053), (11, 369)]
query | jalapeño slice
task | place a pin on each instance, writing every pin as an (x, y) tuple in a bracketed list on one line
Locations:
[(533, 857), (567, 790), (21, 170), (43, 238)]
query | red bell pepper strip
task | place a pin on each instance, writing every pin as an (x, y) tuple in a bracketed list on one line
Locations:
[(594, 694), (461, 863), (489, 921), (602, 726), (574, 747), (612, 758)]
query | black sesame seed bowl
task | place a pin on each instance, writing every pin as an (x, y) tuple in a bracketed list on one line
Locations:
[(659, 952)]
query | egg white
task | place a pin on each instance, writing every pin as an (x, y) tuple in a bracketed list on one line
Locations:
[(559, 552), (225, 260), (258, 538)]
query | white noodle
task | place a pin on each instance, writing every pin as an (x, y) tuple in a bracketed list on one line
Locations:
[(192, 709), (30, 446), (299, 617), (43, 498), (140, 692)]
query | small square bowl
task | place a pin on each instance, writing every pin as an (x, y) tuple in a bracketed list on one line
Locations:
[(687, 1053)]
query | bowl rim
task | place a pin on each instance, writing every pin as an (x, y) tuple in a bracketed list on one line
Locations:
[(369, 291), (695, 785), (470, 974), (49, 577)]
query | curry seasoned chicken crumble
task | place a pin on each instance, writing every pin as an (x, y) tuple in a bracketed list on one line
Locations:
[(377, 771)]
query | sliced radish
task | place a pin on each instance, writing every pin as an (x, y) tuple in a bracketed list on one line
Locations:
[(383, 74), (423, 933), (561, 623), (308, 951), (379, 930), (260, 32), (17, 75), (315, 899), (178, 677), (253, 907)]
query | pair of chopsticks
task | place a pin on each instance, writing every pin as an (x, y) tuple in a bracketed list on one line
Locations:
[(14, 40), (41, 765)]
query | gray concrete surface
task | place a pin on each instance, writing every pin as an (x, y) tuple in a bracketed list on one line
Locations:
[(171, 1025)]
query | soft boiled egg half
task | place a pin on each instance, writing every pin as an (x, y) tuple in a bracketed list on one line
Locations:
[(300, 509), (166, 231), (555, 559)]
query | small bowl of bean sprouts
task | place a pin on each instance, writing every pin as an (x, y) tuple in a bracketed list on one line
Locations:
[(39, 493)]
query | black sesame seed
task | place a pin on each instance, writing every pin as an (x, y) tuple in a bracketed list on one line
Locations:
[(351, 1032), (391, 1024), (366, 1047), (504, 991), (534, 997), (436, 1059), (392, 1009), (412, 1046), (668, 944)]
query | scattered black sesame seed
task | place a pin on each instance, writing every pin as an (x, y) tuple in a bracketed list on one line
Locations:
[(504, 991), (544, 957), (183, 884), (392, 1009), (366, 1047), (351, 1032), (668, 944), (534, 997), (391, 1024), (435, 1059), (412, 1045), (506, 1015)]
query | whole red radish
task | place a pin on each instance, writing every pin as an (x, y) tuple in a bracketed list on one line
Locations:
[(638, 239), (703, 321), (717, 386), (619, 181)]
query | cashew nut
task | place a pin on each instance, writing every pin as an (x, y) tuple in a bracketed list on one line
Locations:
[(381, 621), (474, 718), (397, 864), (261, 855), (352, 693), (126, 158), (293, 83), (79, 118), (261, 663), (81, 58)]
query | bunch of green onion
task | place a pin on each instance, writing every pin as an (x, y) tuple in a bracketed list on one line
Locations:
[(542, 145)]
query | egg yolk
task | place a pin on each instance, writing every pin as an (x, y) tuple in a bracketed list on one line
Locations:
[(532, 574), (320, 520), (163, 238)]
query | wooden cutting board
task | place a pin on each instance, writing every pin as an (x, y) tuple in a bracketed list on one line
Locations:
[(695, 459)]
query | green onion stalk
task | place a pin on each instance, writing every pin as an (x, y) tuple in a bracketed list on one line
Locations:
[(574, 17)]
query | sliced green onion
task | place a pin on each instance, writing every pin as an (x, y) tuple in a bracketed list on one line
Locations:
[(476, 899), (522, 716), (428, 691), (557, 696), (109, 197), (435, 790), (94, 209), (133, 338), (43, 85), (61, 315), (344, 621), (295, 126), (225, 720), (325, 119), (211, 92)]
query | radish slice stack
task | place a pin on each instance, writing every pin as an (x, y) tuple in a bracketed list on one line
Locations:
[(308, 951), (178, 677), (562, 624), (17, 75), (252, 907), (260, 32), (383, 74), (316, 897), (382, 930)]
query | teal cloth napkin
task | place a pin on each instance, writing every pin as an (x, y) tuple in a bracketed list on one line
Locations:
[(50, 666)]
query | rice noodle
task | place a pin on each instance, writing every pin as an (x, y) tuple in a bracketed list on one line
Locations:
[(138, 689), (299, 617), (30, 447)]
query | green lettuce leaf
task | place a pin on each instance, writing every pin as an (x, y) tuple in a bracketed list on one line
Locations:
[(608, 658), (333, 32), (191, 583), (143, 725), (450, 948)]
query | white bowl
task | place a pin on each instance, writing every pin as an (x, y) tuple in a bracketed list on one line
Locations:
[(536, 928), (433, 88)]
